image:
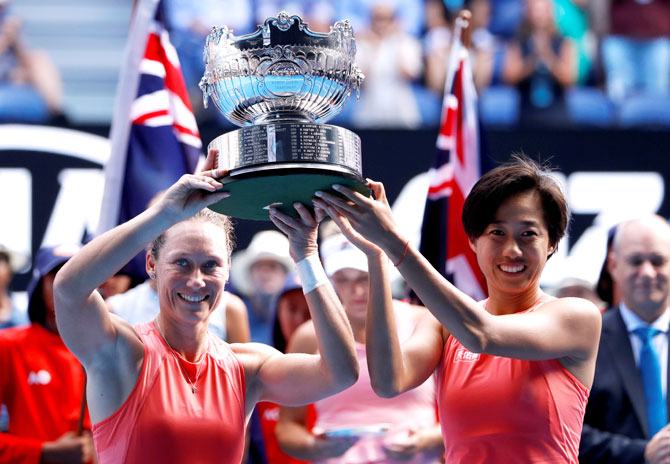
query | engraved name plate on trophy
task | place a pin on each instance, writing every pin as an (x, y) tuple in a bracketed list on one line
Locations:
[(280, 84)]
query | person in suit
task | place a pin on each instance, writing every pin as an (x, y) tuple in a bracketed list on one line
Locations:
[(626, 417)]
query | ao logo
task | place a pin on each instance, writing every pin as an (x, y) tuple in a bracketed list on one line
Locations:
[(51, 185), (603, 198), (41, 377)]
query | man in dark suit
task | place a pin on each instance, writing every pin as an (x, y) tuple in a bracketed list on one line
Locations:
[(627, 414)]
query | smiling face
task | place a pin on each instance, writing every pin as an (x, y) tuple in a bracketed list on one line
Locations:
[(191, 270), (640, 266), (514, 248)]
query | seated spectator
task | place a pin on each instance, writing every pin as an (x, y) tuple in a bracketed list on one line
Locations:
[(636, 53), (541, 63), (30, 84), (11, 314), (381, 430), (257, 274), (391, 62), (41, 382), (572, 21), (436, 44)]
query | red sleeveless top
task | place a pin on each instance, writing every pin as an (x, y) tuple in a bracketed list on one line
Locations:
[(164, 421), (494, 409)]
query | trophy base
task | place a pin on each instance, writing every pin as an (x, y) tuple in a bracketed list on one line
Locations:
[(253, 191)]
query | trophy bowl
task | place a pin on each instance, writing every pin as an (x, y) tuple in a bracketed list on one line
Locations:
[(280, 84)]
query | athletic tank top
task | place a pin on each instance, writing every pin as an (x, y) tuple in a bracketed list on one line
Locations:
[(494, 409), (164, 421), (359, 406)]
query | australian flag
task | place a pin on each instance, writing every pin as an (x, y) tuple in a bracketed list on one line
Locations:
[(456, 169), (154, 134)]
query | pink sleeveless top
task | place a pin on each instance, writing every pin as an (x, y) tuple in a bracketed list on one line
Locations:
[(359, 405), (164, 421), (494, 409)]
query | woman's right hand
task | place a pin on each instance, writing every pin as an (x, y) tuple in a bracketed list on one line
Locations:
[(191, 193)]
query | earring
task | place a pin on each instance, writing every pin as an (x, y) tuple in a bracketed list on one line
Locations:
[(152, 275)]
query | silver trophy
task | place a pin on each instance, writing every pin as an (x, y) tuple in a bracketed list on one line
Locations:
[(280, 84)]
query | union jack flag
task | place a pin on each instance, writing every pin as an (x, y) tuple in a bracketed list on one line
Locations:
[(154, 134), (455, 170)]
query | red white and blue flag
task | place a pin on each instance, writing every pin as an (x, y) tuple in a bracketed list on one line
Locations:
[(154, 134), (455, 170)]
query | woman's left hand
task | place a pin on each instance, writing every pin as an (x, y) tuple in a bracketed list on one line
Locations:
[(370, 217), (302, 232)]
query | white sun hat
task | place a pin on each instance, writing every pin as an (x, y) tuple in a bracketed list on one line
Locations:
[(338, 253), (265, 245)]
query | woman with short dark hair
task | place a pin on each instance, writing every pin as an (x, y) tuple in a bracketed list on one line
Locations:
[(514, 370)]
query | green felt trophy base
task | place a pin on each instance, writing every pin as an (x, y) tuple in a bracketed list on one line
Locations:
[(252, 194)]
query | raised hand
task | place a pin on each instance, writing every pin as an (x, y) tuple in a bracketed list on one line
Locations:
[(193, 192), (366, 246), (302, 233), (210, 161), (370, 217)]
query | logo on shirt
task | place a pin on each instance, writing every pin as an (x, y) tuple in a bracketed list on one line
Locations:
[(463, 355), (39, 378)]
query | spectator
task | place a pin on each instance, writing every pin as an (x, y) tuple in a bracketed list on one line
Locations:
[(636, 53), (10, 313), (41, 382), (541, 63), (30, 84), (258, 273), (626, 416), (391, 61), (572, 22), (292, 311), (407, 427), (436, 44)]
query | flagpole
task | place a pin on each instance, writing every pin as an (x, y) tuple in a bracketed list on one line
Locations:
[(461, 31), (129, 78)]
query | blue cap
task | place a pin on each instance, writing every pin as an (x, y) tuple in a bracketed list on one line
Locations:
[(46, 260)]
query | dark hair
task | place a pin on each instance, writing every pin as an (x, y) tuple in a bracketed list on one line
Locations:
[(519, 175), (204, 215)]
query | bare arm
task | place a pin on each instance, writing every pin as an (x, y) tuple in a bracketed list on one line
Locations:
[(237, 320), (297, 379), (292, 434), (394, 368), (563, 328)]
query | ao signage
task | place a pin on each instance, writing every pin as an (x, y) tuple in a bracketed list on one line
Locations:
[(51, 185)]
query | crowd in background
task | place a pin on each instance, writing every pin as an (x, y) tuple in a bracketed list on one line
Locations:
[(548, 62)]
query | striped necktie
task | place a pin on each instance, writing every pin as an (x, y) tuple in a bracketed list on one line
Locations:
[(650, 368)]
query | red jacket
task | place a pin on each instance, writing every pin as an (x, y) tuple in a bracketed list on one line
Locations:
[(41, 384)]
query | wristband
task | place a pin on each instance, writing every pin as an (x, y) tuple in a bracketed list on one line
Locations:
[(311, 273), (404, 253)]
